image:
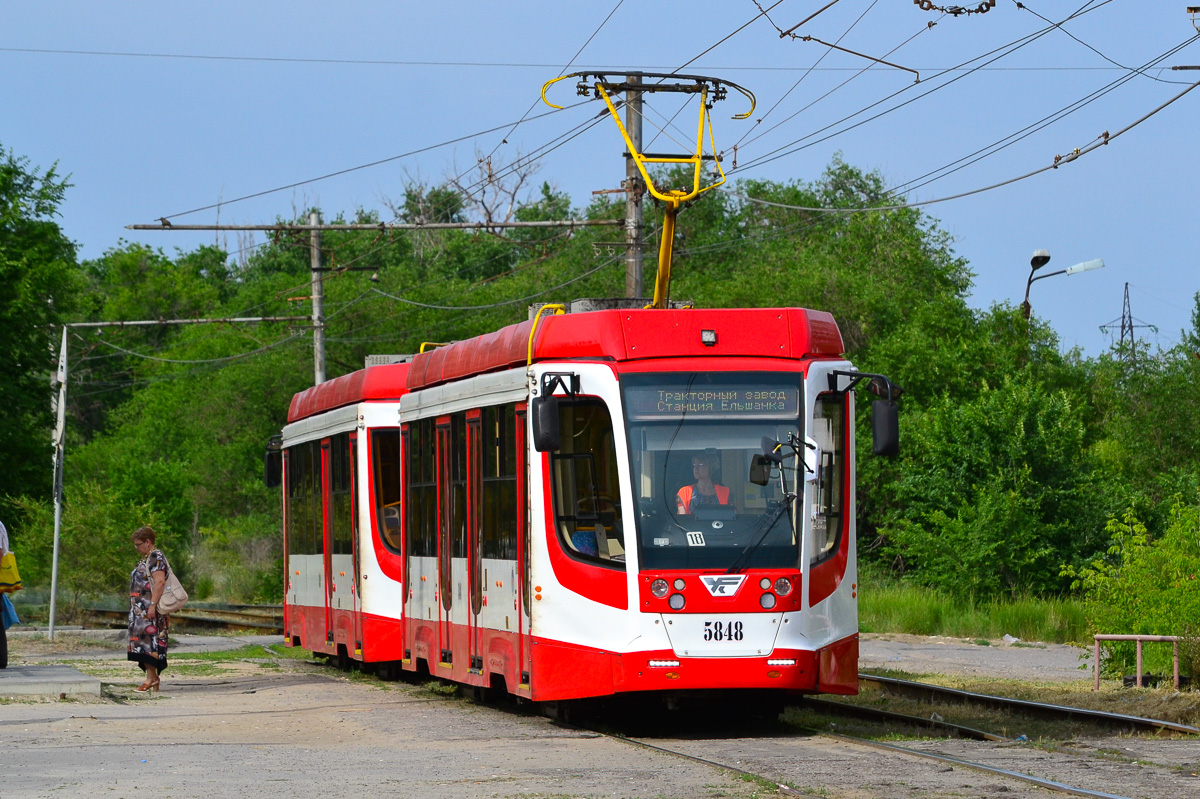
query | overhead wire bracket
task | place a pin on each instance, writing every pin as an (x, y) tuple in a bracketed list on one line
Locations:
[(710, 90)]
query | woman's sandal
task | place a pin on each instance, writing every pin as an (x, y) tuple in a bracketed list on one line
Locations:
[(146, 687)]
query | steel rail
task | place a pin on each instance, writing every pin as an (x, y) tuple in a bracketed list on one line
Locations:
[(940, 693), (1052, 785), (874, 714), (257, 618), (1060, 787)]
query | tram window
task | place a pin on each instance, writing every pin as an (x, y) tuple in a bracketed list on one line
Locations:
[(829, 431), (422, 489), (341, 515), (385, 465), (584, 482), (304, 499), (458, 485), (500, 482)]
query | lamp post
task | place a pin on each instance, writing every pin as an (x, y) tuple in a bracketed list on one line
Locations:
[(1041, 258)]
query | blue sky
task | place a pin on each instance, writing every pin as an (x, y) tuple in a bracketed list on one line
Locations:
[(156, 110)]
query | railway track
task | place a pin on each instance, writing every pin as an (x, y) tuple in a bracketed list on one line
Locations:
[(781, 786), (1004, 769), (769, 754), (259, 618), (939, 694)]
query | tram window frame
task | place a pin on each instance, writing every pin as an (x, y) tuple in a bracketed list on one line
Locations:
[(475, 511), (341, 514), (576, 420), (829, 489), (421, 489), (305, 514), (458, 485), (525, 526), (499, 482), (385, 442)]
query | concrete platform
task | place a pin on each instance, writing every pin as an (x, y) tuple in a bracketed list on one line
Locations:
[(46, 681)]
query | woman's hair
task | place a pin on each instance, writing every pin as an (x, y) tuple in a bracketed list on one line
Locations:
[(143, 534)]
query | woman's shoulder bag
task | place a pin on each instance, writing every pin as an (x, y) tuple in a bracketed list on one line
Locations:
[(173, 596)]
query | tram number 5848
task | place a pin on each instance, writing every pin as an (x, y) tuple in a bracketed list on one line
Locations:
[(722, 631)]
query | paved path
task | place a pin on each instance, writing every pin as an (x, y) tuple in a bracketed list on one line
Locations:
[(918, 654)]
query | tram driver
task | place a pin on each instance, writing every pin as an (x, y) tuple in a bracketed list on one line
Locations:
[(704, 491)]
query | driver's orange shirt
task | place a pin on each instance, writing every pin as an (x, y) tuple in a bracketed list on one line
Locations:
[(683, 499)]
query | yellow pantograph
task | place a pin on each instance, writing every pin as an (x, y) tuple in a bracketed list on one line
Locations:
[(710, 90)]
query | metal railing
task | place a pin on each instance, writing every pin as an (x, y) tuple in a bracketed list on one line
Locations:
[(1172, 639)]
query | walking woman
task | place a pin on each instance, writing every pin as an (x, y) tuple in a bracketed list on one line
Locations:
[(147, 629)]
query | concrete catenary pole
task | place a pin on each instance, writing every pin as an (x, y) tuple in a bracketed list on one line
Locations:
[(633, 193), (318, 305)]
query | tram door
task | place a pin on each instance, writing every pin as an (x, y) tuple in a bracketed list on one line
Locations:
[(326, 542), (524, 637), (350, 582), (475, 536), (445, 591)]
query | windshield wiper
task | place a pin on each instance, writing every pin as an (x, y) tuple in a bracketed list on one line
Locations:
[(766, 524)]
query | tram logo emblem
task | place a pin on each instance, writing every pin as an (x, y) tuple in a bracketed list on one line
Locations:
[(722, 584)]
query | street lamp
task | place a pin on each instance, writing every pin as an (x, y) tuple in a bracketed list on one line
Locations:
[(1041, 258)]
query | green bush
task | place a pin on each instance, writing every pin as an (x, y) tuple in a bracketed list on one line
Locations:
[(95, 553), (1146, 587)]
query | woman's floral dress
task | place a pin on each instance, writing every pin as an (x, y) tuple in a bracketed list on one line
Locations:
[(147, 637)]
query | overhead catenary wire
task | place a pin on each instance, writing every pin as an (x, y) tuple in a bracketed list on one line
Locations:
[(473, 64), (1003, 51), (859, 73), (348, 170), (561, 72), (1140, 71), (1029, 130), (1059, 161)]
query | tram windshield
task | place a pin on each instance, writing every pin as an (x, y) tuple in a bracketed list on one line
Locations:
[(693, 438)]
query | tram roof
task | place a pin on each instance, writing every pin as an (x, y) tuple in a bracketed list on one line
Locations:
[(611, 335)]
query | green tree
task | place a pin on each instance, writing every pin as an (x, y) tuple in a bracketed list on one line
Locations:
[(96, 555), (994, 491), (1147, 586), (41, 283)]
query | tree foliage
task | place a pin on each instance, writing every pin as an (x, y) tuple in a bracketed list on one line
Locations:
[(41, 284), (1014, 455)]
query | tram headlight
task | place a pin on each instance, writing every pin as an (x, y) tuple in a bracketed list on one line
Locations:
[(783, 586), (676, 602), (659, 588), (679, 583), (764, 583), (767, 600)]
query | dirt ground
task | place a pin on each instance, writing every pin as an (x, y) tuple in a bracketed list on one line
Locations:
[(273, 725)]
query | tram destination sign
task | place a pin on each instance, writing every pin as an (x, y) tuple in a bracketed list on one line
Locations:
[(728, 401)]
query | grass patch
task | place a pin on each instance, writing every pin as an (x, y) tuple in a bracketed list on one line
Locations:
[(893, 607), (250, 652)]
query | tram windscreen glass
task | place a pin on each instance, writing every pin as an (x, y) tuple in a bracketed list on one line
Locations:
[(692, 439)]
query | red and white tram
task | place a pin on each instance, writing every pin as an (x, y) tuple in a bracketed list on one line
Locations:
[(587, 504)]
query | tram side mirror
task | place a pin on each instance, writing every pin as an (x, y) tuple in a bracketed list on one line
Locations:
[(273, 468), (885, 427), (546, 436), (760, 470)]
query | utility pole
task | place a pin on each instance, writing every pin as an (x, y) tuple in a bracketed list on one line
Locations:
[(59, 407), (633, 192), (318, 305)]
